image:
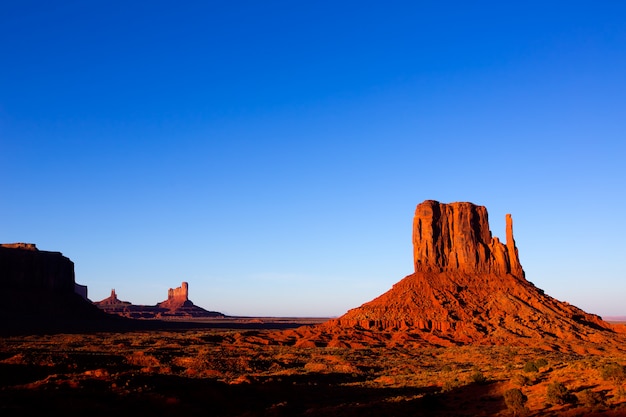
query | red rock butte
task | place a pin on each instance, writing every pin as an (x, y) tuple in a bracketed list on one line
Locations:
[(468, 287), (176, 297), (456, 237), (177, 304)]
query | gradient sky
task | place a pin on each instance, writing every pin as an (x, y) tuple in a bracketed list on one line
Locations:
[(272, 153)]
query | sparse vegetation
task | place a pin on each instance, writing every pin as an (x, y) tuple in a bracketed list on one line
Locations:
[(450, 385), (591, 399), (530, 366), (521, 380), (557, 393), (613, 372), (478, 377), (515, 401), (192, 367)]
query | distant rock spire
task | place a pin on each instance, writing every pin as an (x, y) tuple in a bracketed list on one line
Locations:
[(515, 268)]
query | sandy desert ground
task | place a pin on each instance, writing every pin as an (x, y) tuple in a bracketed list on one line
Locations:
[(248, 372)]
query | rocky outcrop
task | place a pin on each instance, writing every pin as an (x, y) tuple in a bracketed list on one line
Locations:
[(468, 287), (177, 305), (81, 290), (456, 237), (176, 297), (112, 300), (115, 306)]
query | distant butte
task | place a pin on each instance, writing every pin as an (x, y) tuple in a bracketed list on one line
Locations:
[(468, 287), (177, 305)]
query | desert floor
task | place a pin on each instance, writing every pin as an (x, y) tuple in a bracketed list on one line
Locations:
[(239, 372)]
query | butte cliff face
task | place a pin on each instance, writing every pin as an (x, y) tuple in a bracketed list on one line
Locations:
[(39, 289), (468, 287), (24, 267), (177, 297), (456, 238)]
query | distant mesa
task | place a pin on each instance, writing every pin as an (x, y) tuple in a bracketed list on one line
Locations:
[(39, 288), (39, 293), (177, 305), (468, 287)]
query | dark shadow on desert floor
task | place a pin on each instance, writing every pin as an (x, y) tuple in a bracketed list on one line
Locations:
[(19, 326), (297, 395)]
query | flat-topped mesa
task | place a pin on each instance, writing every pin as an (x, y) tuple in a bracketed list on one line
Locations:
[(40, 293), (23, 267), (456, 237), (20, 245)]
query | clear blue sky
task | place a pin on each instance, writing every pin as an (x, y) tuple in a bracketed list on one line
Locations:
[(271, 153)]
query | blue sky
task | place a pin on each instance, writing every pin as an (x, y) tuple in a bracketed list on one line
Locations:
[(272, 153)]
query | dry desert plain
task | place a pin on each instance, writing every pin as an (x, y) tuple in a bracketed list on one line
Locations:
[(246, 372)]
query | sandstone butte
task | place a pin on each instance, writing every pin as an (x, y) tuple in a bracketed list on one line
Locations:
[(39, 289), (468, 287), (177, 305)]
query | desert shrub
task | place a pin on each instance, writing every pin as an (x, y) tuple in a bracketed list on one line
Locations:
[(450, 384), (530, 366), (591, 399), (614, 372), (446, 368), (515, 400), (478, 377), (541, 362), (557, 393), (521, 380)]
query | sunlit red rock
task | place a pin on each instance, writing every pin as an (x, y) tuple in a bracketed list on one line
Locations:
[(177, 305), (456, 237), (176, 297), (468, 287), (111, 300)]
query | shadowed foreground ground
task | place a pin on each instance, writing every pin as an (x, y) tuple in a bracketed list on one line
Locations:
[(235, 372)]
